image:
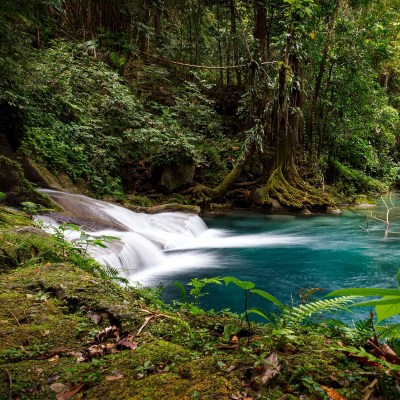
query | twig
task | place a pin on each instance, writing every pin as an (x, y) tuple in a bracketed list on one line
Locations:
[(147, 320), (16, 319), (10, 384)]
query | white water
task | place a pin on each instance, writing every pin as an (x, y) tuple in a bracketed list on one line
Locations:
[(153, 246)]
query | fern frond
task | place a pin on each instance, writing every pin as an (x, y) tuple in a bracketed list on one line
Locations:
[(388, 331), (298, 314)]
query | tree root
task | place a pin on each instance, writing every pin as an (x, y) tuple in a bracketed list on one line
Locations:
[(207, 193), (295, 194)]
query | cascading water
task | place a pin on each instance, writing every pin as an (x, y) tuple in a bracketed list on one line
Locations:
[(153, 245)]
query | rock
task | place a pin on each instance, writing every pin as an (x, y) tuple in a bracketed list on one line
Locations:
[(33, 230), (174, 207), (42, 177), (16, 187), (333, 210), (10, 175), (175, 176)]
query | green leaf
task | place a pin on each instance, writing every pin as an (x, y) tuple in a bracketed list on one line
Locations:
[(242, 284), (387, 311), (398, 278), (268, 296), (364, 292), (258, 311), (182, 290), (74, 227)]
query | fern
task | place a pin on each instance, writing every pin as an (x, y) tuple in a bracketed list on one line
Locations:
[(359, 334), (298, 315), (391, 331)]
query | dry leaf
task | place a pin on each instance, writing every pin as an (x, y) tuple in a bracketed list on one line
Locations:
[(271, 368), (39, 371), (53, 378), (114, 377), (126, 343), (106, 333), (70, 394), (96, 318), (59, 387), (53, 359), (332, 393)]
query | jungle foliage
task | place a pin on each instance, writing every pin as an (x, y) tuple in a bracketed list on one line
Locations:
[(301, 94)]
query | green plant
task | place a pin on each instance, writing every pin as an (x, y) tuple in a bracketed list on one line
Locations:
[(195, 292), (3, 197), (248, 291), (32, 208), (386, 306)]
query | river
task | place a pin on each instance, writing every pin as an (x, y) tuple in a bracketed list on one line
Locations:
[(281, 254)]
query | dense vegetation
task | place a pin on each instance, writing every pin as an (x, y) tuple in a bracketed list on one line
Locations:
[(246, 102), (68, 331), (253, 100)]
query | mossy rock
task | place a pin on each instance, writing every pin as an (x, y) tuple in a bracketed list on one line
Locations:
[(17, 188)]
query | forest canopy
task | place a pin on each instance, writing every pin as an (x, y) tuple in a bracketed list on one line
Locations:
[(290, 100)]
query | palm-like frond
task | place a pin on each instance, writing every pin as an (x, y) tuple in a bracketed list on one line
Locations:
[(298, 315)]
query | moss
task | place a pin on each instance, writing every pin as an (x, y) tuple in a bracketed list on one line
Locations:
[(18, 188), (292, 193), (44, 326)]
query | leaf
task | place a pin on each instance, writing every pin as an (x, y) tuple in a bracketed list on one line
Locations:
[(59, 387), (267, 296), (364, 292), (387, 310), (182, 291), (96, 318), (333, 394), (110, 378), (272, 367), (106, 333), (70, 394), (242, 284), (257, 311), (126, 343), (74, 227)]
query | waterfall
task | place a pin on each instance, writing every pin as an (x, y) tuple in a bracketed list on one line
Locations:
[(151, 245)]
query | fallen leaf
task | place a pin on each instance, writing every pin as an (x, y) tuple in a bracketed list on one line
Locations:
[(96, 318), (52, 378), (127, 343), (231, 368), (39, 371), (70, 394), (59, 387), (53, 359), (114, 377), (332, 393), (4, 321), (272, 367), (106, 333)]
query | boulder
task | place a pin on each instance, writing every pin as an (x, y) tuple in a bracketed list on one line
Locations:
[(41, 176)]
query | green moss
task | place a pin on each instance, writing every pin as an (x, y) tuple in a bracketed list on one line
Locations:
[(292, 193), (44, 327)]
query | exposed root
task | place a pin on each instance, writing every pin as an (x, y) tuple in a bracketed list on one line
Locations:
[(295, 194), (207, 193)]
